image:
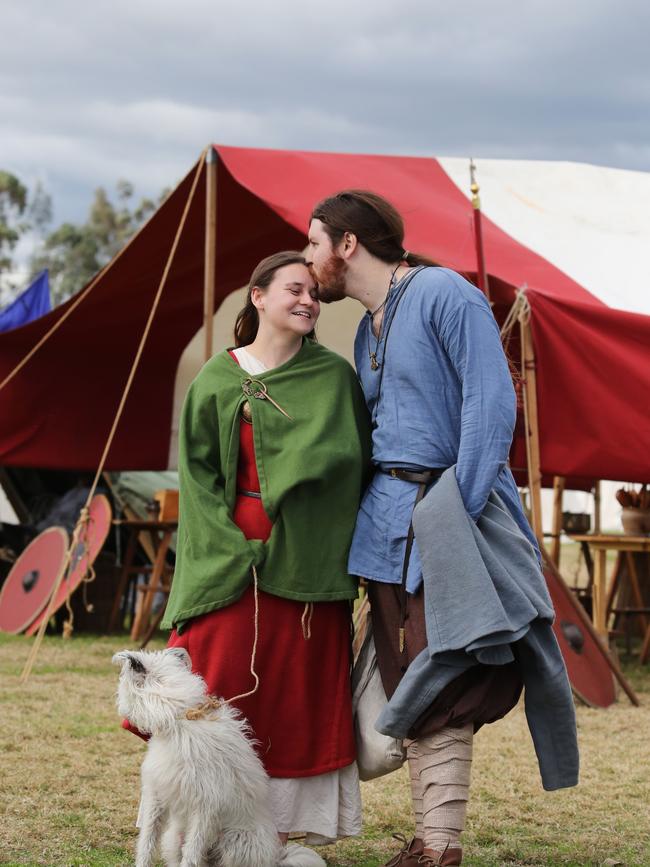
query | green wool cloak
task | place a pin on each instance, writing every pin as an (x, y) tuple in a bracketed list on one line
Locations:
[(311, 469)]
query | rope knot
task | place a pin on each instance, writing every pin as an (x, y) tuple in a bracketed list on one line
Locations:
[(209, 706), (519, 312)]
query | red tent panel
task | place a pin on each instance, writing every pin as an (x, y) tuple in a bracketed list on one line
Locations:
[(593, 381), (58, 411), (437, 215)]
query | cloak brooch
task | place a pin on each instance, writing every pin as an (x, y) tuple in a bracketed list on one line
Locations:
[(256, 388)]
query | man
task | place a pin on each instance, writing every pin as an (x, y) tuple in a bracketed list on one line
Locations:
[(439, 390)]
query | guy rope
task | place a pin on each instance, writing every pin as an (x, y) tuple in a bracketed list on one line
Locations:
[(519, 312), (80, 530)]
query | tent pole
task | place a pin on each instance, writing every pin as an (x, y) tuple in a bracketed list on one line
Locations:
[(558, 491), (529, 384), (597, 505), (481, 270), (210, 248)]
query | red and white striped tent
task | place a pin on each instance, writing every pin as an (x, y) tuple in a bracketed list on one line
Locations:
[(576, 236)]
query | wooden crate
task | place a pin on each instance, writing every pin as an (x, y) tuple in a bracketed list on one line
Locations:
[(168, 500)]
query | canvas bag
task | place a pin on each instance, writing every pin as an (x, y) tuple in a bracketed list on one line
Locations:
[(377, 754)]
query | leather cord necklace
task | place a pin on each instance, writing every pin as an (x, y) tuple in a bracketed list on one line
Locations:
[(405, 280), (374, 364)]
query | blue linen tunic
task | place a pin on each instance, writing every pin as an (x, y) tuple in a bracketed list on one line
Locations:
[(446, 398)]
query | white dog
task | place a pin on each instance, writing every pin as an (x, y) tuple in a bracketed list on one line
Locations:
[(200, 778)]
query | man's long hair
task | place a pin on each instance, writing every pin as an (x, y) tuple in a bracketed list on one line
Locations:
[(376, 223)]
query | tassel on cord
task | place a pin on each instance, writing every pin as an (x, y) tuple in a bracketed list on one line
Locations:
[(306, 624), (253, 654), (212, 703)]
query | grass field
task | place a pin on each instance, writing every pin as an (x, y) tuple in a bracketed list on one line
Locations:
[(69, 777)]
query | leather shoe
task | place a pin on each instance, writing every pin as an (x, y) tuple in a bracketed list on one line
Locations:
[(448, 858), (410, 853)]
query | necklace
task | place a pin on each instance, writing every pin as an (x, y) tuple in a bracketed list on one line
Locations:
[(374, 364)]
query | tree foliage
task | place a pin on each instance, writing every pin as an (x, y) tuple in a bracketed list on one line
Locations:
[(13, 202), (75, 253)]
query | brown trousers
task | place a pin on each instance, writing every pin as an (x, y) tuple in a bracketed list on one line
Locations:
[(482, 694)]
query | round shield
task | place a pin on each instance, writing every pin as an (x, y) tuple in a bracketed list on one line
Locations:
[(29, 585), (91, 542), (588, 665)]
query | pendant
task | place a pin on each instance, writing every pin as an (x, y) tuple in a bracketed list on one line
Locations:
[(374, 364)]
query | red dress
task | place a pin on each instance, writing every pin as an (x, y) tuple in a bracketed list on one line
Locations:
[(301, 713)]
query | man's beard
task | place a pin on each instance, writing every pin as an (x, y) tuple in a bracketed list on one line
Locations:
[(331, 279)]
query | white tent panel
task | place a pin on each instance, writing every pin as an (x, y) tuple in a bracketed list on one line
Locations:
[(7, 514), (591, 222)]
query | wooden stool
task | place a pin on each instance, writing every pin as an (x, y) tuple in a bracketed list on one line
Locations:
[(160, 535)]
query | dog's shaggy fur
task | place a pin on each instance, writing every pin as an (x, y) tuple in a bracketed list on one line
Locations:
[(200, 778)]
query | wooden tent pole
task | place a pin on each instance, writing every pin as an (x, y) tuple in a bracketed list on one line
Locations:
[(529, 385), (210, 258), (558, 491), (597, 507), (481, 270)]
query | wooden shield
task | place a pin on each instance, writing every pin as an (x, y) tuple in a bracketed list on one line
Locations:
[(29, 585), (95, 535), (588, 663)]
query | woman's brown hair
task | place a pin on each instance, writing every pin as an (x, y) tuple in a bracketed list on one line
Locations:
[(376, 223), (248, 320)]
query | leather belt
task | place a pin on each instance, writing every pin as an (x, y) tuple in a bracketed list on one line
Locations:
[(420, 477)]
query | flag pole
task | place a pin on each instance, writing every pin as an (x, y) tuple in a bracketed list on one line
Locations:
[(481, 271)]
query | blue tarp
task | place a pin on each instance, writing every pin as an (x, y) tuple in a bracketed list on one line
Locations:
[(30, 304)]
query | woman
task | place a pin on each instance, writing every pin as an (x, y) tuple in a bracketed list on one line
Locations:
[(273, 449)]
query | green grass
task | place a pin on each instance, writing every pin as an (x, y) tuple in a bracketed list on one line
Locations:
[(70, 786)]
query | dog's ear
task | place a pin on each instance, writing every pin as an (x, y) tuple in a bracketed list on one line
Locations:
[(124, 656), (120, 658), (181, 654)]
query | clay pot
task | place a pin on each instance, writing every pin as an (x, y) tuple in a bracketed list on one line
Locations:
[(636, 522)]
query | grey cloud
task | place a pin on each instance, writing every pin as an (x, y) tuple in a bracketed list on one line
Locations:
[(97, 91)]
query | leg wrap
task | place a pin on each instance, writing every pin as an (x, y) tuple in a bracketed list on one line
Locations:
[(444, 761), (413, 756)]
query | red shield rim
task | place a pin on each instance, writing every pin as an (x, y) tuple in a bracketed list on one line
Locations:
[(98, 526), (29, 584), (588, 667)]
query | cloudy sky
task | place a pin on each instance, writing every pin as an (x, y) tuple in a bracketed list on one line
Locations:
[(95, 91)]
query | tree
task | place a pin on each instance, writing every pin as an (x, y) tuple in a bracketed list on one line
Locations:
[(39, 210), (75, 253), (13, 201)]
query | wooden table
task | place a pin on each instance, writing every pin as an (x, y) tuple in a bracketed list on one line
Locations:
[(160, 533), (601, 543)]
